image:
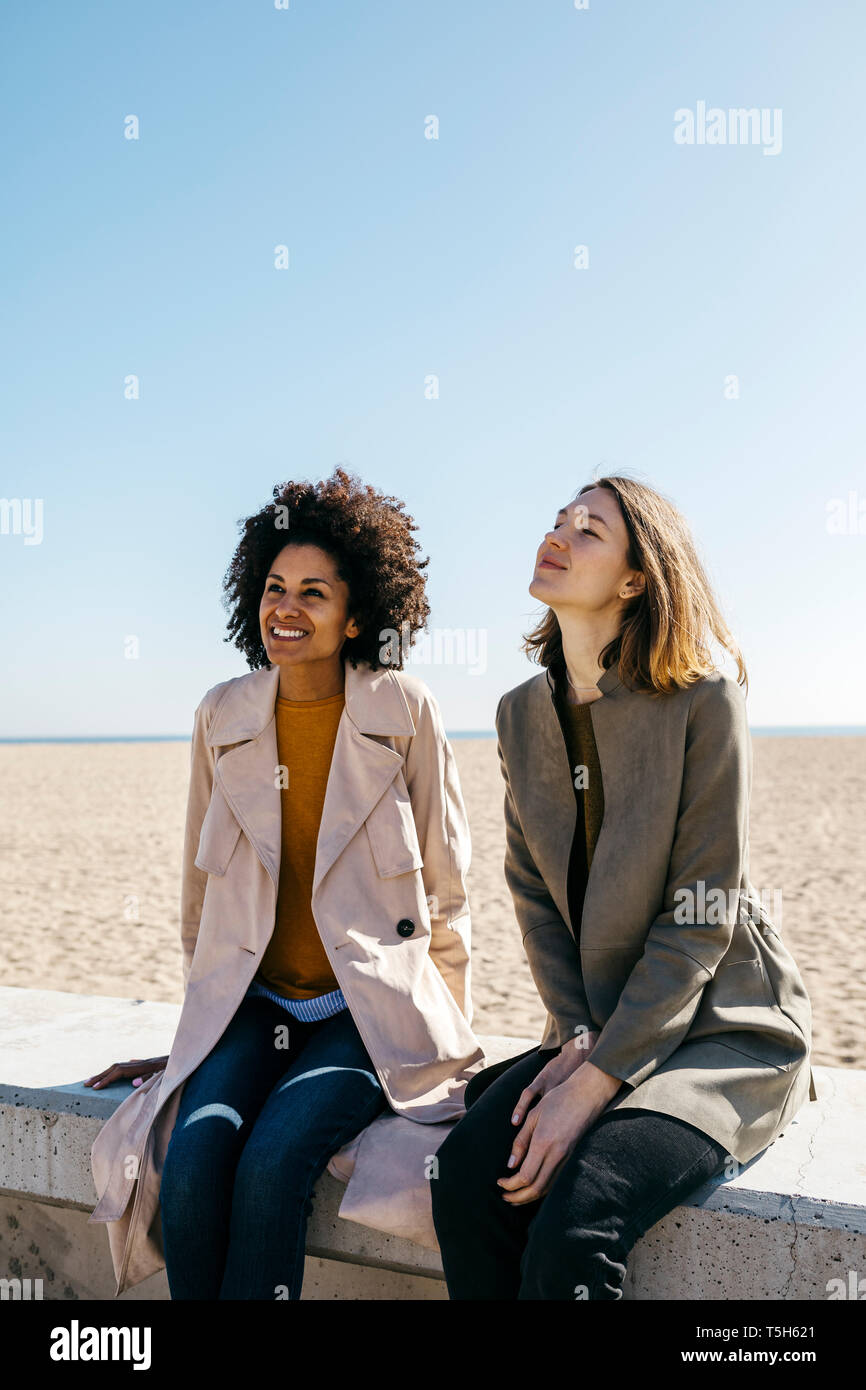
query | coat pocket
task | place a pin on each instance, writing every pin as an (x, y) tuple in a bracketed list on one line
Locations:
[(219, 835), (740, 980), (740, 984), (740, 1008), (392, 833)]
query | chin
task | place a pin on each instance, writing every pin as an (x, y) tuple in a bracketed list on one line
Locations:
[(277, 657), (282, 657)]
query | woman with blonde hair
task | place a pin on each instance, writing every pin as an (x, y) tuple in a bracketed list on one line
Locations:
[(678, 1033)]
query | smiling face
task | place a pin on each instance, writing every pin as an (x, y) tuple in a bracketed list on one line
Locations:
[(582, 561), (304, 610)]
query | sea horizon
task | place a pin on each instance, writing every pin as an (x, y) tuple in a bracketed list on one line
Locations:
[(757, 731)]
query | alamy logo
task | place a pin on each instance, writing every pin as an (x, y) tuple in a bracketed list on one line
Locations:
[(846, 518), (854, 1289), (739, 125), (701, 906), (20, 1289), (76, 1343), (445, 646), (22, 516)]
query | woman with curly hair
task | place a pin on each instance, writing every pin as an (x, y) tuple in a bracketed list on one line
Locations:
[(324, 918), (678, 1031)]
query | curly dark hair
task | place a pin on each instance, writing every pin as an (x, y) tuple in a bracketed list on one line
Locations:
[(369, 537)]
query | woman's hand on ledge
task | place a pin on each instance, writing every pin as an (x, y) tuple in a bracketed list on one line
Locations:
[(552, 1130), (139, 1069)]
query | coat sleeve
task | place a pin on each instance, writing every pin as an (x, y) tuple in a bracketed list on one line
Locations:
[(661, 995), (194, 880), (551, 950), (443, 835)]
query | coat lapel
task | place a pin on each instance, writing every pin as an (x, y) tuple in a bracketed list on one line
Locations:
[(244, 725), (361, 767)]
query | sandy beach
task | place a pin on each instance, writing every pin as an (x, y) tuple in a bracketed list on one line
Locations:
[(90, 875)]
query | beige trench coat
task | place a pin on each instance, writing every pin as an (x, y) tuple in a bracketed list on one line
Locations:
[(709, 1021), (393, 845)]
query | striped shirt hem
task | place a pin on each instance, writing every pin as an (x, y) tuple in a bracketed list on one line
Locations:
[(304, 1010)]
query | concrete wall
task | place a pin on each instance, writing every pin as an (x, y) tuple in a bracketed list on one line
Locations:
[(782, 1228)]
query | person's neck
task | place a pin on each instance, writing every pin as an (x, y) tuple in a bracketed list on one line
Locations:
[(581, 644), (314, 680)]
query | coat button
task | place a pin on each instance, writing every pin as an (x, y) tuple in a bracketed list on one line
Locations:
[(405, 926)]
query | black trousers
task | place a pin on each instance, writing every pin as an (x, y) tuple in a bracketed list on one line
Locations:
[(627, 1171)]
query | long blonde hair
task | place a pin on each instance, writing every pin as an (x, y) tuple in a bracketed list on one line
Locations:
[(663, 644)]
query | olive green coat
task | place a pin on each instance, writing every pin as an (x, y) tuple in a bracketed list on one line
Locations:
[(708, 1021)]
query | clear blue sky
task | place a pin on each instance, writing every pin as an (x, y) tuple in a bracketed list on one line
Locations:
[(409, 256)]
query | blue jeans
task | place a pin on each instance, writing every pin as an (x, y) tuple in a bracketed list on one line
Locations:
[(256, 1125)]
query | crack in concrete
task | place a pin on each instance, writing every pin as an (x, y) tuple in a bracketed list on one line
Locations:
[(800, 1183)]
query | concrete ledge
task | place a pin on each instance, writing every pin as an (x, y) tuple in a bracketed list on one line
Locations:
[(788, 1223)]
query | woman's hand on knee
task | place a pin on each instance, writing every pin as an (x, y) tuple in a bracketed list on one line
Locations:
[(557, 1070), (537, 1154), (550, 1133)]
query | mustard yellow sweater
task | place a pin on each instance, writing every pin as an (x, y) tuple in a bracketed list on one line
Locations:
[(295, 963)]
